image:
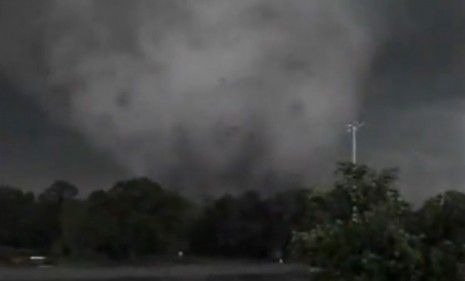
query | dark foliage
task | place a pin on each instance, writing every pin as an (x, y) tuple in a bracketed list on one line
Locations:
[(359, 229), (375, 239)]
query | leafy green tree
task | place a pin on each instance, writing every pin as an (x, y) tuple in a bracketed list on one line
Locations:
[(370, 242)]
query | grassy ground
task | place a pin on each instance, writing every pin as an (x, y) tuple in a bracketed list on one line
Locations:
[(212, 272)]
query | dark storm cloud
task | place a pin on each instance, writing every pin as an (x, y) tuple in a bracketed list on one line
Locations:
[(211, 94), (414, 97), (214, 96), (35, 150)]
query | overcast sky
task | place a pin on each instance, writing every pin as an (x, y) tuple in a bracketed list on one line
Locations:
[(222, 96)]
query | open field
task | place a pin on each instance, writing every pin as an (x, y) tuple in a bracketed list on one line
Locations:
[(236, 272)]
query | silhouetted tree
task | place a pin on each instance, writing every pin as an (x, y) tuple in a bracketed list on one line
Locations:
[(442, 218), (136, 218), (232, 227), (17, 218), (287, 211), (51, 204), (58, 192)]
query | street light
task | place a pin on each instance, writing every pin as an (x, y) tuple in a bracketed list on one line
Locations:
[(352, 128)]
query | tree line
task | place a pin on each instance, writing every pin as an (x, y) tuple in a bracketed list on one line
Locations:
[(138, 218)]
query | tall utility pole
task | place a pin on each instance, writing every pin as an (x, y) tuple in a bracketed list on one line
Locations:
[(352, 128)]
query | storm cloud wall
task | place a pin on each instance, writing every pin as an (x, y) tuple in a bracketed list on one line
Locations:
[(214, 96)]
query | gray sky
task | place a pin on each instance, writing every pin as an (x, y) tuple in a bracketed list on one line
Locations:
[(212, 96)]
